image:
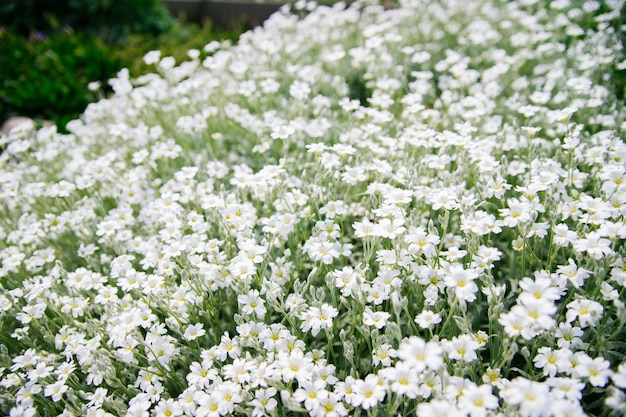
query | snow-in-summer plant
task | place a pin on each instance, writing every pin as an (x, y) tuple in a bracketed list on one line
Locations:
[(351, 211)]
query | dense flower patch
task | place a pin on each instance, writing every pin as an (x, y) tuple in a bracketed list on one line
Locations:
[(353, 210)]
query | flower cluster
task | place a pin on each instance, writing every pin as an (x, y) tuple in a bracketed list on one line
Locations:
[(414, 210)]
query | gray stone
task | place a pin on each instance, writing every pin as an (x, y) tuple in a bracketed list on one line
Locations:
[(12, 123)]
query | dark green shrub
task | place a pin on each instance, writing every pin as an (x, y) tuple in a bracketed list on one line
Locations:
[(47, 77), (50, 50), (109, 19)]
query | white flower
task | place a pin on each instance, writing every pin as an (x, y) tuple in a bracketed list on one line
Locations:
[(331, 186), (462, 280), (317, 318), (616, 401), (228, 347), (264, 401), (330, 405), (229, 394), (347, 280), (481, 223), (550, 361), (421, 242), (167, 62), (427, 319), (531, 397), (378, 293), (239, 370), (588, 312), (567, 408), (568, 335), (593, 244), (56, 390), (568, 388), (368, 393), (463, 348), (539, 290), (23, 411), (573, 274), (383, 354), (323, 251), (376, 319), (478, 400), (403, 380), (562, 235), (518, 212), (208, 404), (41, 371), (596, 370), (252, 251), (31, 312), (517, 322), (252, 303), (295, 365), (619, 377), (168, 408), (309, 393), (418, 354), (201, 374), (152, 57), (389, 228), (439, 408), (299, 90), (194, 331)]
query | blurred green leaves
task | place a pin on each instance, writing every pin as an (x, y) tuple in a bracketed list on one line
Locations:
[(51, 50), (47, 77), (108, 19)]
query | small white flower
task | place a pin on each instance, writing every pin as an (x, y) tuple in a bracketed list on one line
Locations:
[(152, 57), (194, 331), (588, 312), (376, 319), (596, 370), (252, 303), (427, 319)]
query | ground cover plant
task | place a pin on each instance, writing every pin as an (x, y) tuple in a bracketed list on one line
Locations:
[(352, 210)]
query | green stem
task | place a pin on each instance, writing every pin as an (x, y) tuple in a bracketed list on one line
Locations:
[(449, 316)]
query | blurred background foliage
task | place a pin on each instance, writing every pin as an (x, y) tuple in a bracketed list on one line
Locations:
[(50, 50), (108, 19)]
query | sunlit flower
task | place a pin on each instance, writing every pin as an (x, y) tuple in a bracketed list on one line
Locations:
[(588, 312)]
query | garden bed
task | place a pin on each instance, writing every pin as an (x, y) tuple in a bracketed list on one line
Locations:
[(349, 211)]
